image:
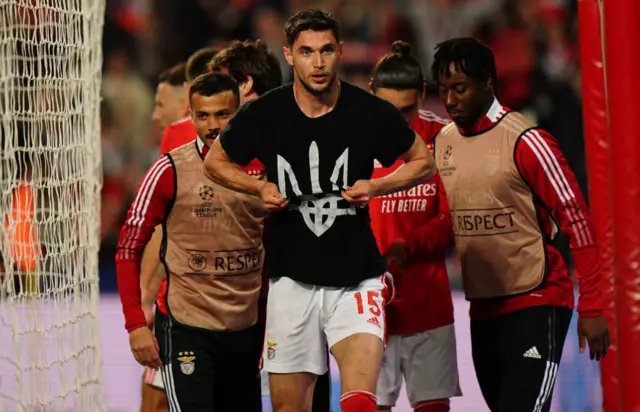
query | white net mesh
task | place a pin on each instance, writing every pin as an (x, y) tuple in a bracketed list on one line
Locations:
[(50, 181)]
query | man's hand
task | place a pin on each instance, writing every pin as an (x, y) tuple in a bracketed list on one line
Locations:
[(360, 193), (595, 332), (396, 255), (145, 348), (149, 314), (271, 197)]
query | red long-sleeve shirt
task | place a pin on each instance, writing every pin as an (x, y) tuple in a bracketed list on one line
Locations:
[(152, 204), (420, 218), (177, 134), (560, 205), (150, 207)]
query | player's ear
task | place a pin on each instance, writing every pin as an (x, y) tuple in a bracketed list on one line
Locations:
[(246, 87), (288, 55), (489, 84), (372, 87), (184, 103), (423, 92), (340, 46)]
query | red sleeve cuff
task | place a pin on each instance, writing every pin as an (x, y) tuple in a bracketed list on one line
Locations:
[(590, 313), (136, 325), (590, 303), (409, 242)]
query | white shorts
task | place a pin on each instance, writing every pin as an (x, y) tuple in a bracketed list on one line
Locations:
[(302, 319), (427, 361), (152, 377)]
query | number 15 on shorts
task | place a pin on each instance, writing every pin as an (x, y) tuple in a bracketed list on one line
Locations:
[(371, 302)]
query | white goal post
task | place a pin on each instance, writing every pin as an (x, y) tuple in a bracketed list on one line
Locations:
[(50, 182)]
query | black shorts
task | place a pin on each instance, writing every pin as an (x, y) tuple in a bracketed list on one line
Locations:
[(517, 355), (206, 370)]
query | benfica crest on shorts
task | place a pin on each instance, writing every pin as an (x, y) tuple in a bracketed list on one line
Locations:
[(271, 348), (187, 366)]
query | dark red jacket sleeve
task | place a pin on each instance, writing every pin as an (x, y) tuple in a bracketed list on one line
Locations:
[(435, 234), (151, 205), (544, 168)]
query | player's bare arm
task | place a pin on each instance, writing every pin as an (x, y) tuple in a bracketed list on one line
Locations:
[(219, 168)]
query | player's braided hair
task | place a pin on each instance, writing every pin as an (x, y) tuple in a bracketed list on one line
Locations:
[(250, 58), (398, 70), (469, 55), (316, 20), (174, 76)]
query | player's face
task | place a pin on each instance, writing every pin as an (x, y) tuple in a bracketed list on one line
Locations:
[(211, 114), (171, 105), (315, 58), (407, 101), (463, 97)]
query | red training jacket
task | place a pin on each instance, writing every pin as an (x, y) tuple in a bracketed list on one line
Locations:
[(558, 199)]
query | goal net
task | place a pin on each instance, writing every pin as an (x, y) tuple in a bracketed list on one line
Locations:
[(50, 181)]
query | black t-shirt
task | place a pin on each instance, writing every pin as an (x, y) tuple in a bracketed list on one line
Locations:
[(320, 239)]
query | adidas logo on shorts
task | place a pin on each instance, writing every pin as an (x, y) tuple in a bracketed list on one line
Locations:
[(532, 353)]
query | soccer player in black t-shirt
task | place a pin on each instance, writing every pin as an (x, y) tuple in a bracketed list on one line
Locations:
[(257, 70), (318, 139)]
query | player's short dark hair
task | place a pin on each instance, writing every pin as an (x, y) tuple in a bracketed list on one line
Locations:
[(174, 76), (316, 20), (210, 84), (250, 58), (198, 62), (398, 70), (469, 55)]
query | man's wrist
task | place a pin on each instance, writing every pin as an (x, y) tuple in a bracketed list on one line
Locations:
[(259, 185), (375, 188)]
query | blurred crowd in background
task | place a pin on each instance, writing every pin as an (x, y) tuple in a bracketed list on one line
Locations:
[(534, 42)]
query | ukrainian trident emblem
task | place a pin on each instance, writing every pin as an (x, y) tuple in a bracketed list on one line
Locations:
[(187, 366), (318, 214)]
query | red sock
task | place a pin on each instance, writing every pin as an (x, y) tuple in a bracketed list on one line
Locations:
[(435, 405), (358, 401)]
